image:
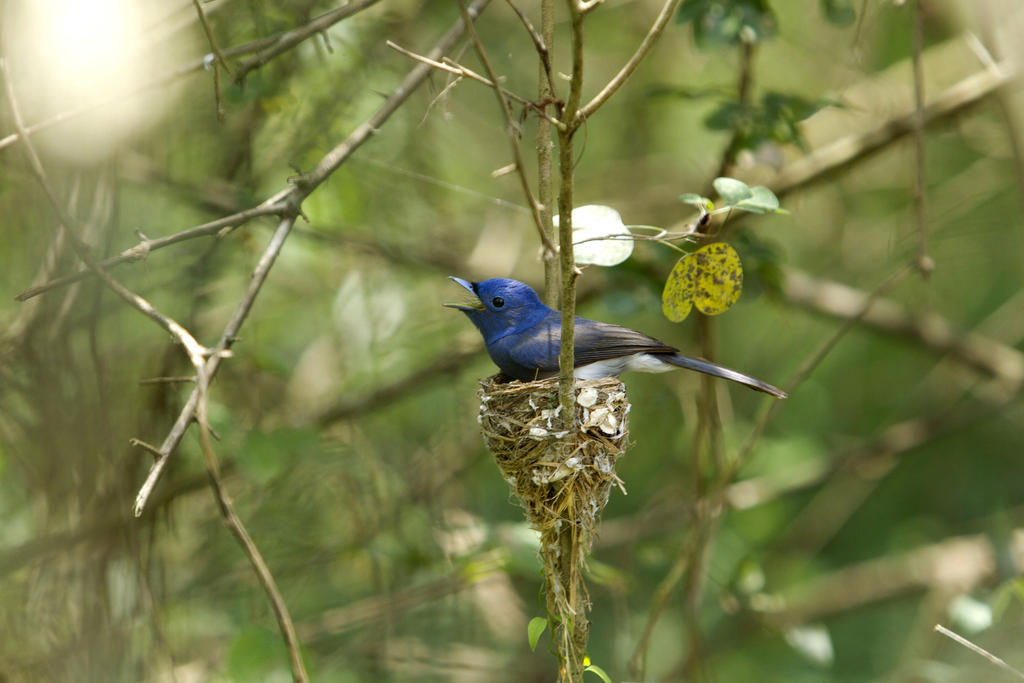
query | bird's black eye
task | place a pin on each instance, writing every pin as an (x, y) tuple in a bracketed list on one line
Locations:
[(498, 302)]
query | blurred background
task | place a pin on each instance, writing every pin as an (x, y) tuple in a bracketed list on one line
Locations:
[(883, 497)]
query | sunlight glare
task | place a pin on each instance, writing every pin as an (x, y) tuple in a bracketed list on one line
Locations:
[(71, 54)]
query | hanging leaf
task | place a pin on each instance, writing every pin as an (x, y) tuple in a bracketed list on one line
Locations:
[(677, 297), (535, 629), (718, 278), (710, 278), (592, 223)]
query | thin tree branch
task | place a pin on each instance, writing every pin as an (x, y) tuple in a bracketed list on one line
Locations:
[(808, 366), (936, 333), (546, 150), (227, 510), (510, 130), (454, 67), (939, 628), (289, 39), (292, 197), (958, 563), (543, 46), (146, 246), (838, 155), (208, 30), (69, 225), (413, 80), (227, 338), (666, 13), (199, 64)]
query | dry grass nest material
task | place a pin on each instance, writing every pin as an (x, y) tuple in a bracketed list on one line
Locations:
[(557, 474)]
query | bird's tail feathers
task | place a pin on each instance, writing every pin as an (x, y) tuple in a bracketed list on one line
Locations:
[(725, 373)]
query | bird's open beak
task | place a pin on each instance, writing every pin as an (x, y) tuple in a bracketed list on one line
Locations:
[(471, 304)]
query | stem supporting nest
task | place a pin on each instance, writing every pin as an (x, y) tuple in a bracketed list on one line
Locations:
[(562, 477)]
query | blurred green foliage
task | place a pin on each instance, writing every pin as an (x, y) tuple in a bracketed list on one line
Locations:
[(350, 444)]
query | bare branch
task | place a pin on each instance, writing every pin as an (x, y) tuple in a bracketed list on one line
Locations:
[(932, 330), (939, 628), (510, 130), (292, 197), (227, 338), (823, 162), (543, 50), (227, 510), (208, 30), (454, 67), (69, 225), (141, 251), (289, 39), (808, 366), (667, 10)]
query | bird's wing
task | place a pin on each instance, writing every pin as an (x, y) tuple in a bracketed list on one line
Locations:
[(536, 350), (596, 341)]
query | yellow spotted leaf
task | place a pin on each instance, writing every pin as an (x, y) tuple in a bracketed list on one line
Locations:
[(718, 278), (677, 297)]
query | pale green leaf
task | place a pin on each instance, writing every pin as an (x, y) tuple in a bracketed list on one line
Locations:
[(761, 200), (732, 191)]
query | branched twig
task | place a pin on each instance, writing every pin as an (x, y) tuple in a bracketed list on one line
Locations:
[(227, 510), (666, 13), (227, 338), (141, 251), (199, 64), (289, 39), (454, 67), (220, 60), (510, 129), (70, 228), (292, 198), (836, 156), (543, 50), (208, 30)]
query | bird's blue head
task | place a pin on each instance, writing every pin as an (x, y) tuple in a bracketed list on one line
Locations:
[(500, 306)]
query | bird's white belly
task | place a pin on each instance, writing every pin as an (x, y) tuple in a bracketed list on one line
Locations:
[(612, 367)]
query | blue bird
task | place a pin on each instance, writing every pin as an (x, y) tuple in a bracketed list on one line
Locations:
[(522, 336)]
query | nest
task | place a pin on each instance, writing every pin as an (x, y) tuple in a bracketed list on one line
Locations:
[(559, 475)]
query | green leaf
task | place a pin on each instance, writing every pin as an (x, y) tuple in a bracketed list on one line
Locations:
[(535, 629), (761, 200), (696, 200), (733, 191), (595, 669), (718, 278)]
